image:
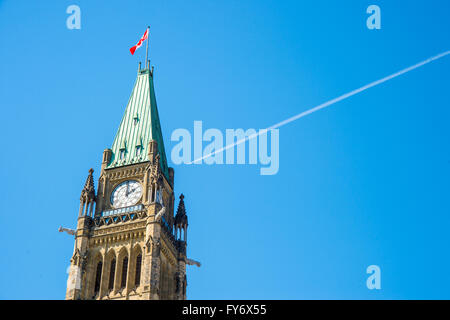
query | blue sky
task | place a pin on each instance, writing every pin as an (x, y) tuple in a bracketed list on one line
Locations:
[(363, 182)]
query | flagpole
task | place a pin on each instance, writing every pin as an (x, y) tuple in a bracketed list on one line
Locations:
[(146, 51)]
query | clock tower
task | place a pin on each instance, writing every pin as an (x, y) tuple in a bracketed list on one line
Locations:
[(128, 242)]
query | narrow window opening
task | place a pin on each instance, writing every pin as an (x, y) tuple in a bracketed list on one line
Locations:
[(98, 276), (137, 278), (112, 273), (123, 283), (138, 151), (153, 193)]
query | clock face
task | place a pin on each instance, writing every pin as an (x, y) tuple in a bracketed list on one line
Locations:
[(126, 194)]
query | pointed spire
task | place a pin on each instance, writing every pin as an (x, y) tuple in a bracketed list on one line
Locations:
[(181, 217), (123, 145), (140, 124), (138, 141), (88, 192)]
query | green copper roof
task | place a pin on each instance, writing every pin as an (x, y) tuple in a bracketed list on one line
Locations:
[(139, 125)]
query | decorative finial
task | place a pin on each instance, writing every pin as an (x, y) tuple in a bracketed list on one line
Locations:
[(88, 191), (181, 219)]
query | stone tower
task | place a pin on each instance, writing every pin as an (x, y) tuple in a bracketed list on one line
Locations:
[(128, 243)]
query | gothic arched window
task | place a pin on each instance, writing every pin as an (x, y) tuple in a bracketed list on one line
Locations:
[(112, 273), (137, 278), (98, 276), (123, 283)]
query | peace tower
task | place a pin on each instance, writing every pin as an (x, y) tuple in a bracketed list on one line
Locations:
[(128, 242)]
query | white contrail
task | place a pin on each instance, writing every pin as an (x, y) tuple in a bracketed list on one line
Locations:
[(328, 103)]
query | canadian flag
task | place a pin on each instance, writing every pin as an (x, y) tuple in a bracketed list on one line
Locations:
[(144, 37)]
